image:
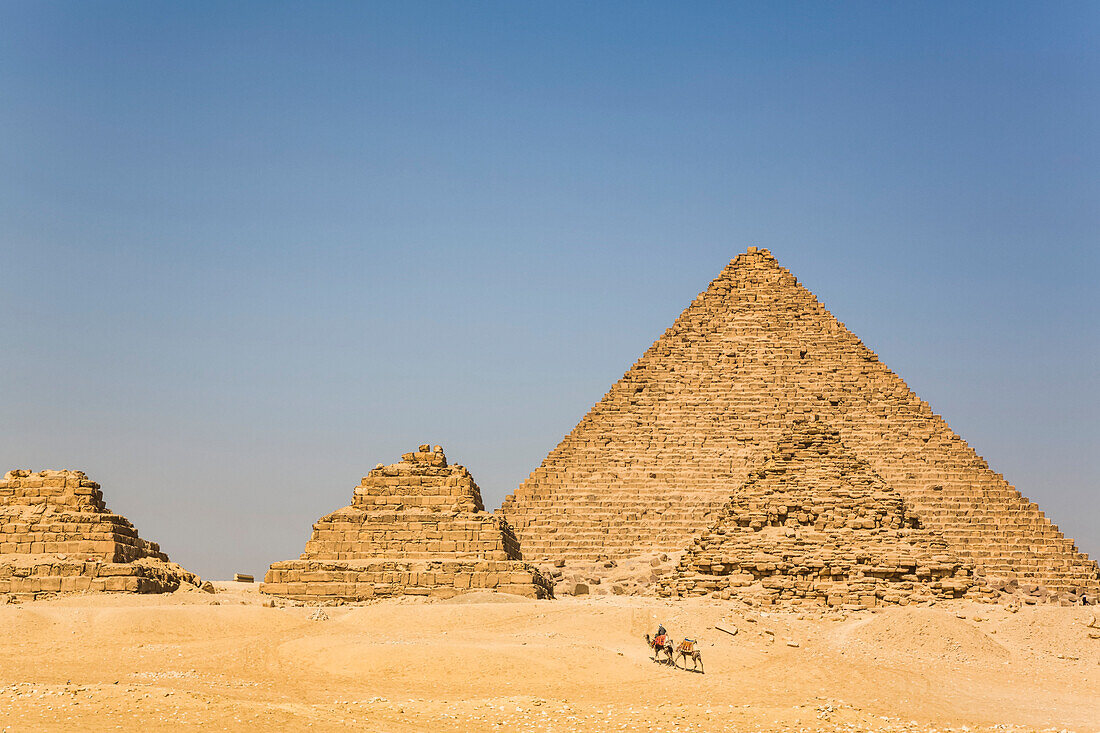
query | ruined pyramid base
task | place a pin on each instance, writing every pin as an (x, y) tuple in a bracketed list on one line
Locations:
[(844, 582), (30, 577), (364, 580), (844, 549)]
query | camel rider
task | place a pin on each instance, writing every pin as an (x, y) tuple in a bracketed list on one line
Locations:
[(661, 633)]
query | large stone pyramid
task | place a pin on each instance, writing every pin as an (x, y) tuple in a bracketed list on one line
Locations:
[(417, 527), (56, 535), (816, 523), (651, 465)]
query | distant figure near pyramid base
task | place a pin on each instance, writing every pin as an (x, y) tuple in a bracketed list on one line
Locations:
[(57, 536), (655, 464), (416, 528)]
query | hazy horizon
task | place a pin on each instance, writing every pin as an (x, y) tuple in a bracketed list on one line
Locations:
[(251, 251)]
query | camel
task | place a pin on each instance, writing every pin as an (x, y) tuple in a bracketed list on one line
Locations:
[(665, 646), (685, 650)]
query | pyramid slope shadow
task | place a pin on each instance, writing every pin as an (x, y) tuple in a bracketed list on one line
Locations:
[(815, 522), (651, 464), (57, 536), (417, 527)]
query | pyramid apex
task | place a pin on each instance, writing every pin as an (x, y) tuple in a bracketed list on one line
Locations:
[(760, 252), (427, 455), (754, 255)]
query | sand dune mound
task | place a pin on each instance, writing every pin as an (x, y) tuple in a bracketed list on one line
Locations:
[(485, 596), (130, 662), (920, 634)]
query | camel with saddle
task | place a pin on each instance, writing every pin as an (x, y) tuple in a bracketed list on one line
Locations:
[(689, 649)]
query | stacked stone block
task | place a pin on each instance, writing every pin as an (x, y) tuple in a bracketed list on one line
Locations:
[(56, 535), (417, 527), (652, 464), (815, 523)]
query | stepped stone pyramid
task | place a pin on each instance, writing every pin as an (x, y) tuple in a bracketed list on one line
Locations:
[(653, 463), (417, 527), (815, 522), (56, 535)]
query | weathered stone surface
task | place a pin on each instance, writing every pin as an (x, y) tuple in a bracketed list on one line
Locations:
[(815, 522), (653, 463), (417, 527), (57, 536)]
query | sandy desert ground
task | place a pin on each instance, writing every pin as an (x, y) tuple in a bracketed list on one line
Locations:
[(485, 662)]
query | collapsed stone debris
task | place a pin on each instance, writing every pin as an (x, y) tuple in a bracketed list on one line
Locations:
[(415, 528), (815, 522), (57, 536), (654, 463)]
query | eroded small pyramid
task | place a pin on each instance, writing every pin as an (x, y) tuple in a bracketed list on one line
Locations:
[(816, 523), (417, 527), (57, 535)]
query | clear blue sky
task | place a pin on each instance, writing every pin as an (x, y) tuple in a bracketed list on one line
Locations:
[(250, 250)]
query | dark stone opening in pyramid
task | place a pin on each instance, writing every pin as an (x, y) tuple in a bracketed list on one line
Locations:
[(652, 464), (57, 536), (417, 527)]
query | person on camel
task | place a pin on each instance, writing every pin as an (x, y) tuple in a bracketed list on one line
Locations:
[(660, 644)]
